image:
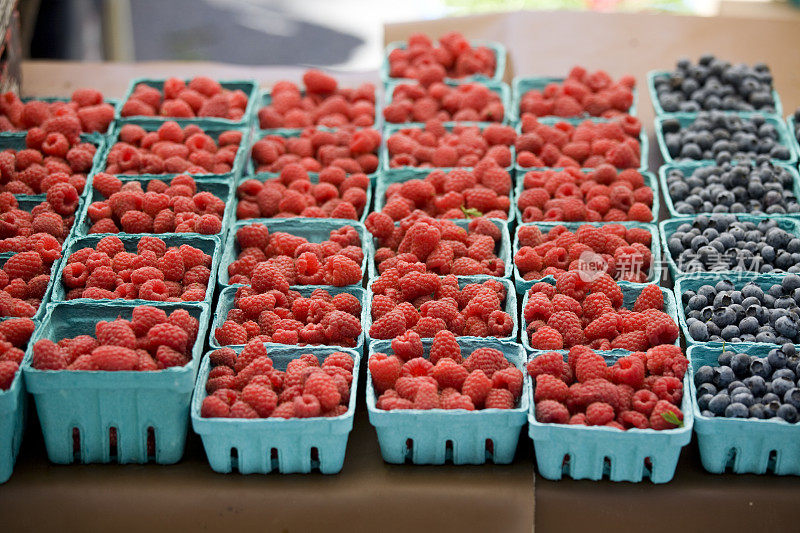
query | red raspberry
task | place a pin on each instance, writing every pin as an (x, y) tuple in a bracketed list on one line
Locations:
[(668, 388), (25, 265), (384, 371), (644, 401), (8, 370), (116, 333), (599, 414), (661, 329), (17, 331), (322, 386), (114, 358), (649, 298), (549, 387), (629, 371), (168, 335), (550, 363), (551, 411), (477, 386), (603, 327), (341, 271), (635, 341), (546, 338), (499, 399), (591, 366), (408, 345), (426, 397), (214, 407), (665, 415), (390, 325), (48, 356), (448, 373), (445, 346), (667, 360)]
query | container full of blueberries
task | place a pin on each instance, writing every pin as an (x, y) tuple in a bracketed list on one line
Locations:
[(760, 309), (745, 401), (762, 187), (727, 244)]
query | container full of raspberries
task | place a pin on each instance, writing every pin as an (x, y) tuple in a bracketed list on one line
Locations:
[(745, 403), (447, 399), (620, 414), (113, 382), (266, 408)]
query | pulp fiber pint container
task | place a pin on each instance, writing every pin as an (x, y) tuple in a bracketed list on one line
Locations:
[(594, 452), (687, 169), (522, 84), (745, 445), (653, 272), (249, 87), (209, 244), (227, 297), (79, 409), (499, 54), (315, 230), (669, 227), (288, 446), (649, 180), (13, 414), (630, 291), (436, 436), (509, 305), (502, 247)]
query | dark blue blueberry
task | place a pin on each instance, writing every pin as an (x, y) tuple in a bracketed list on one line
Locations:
[(702, 401), (766, 337), (740, 364), (792, 397), (784, 373), (756, 384), (725, 358), (770, 397), (704, 374), (760, 367), (698, 331), (781, 386), (744, 398), (737, 410), (789, 350), (730, 333), (749, 325), (719, 403), (706, 388), (787, 412), (777, 359), (786, 327), (757, 411)]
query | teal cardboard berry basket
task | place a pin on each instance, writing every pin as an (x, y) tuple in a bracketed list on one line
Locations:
[(210, 129), (649, 180), (421, 172), (653, 273), (688, 168), (499, 88), (79, 409), (685, 119), (651, 85), (644, 143), (207, 243), (509, 305), (439, 436), (791, 126), (287, 446), (92, 136), (225, 303), (743, 445), (249, 87), (265, 99), (630, 291), (667, 229), (739, 279), (502, 248), (250, 168), (313, 178), (386, 179), (522, 84), (499, 70), (595, 452), (222, 189), (13, 415), (314, 230)]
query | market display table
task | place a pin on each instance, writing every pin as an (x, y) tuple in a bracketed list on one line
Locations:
[(370, 495)]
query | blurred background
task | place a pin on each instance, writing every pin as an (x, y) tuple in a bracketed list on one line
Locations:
[(340, 34)]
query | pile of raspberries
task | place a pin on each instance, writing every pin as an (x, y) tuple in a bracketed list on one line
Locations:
[(639, 391), (292, 194), (454, 57), (155, 272), (468, 102), (407, 380), (587, 145), (201, 97), (623, 252), (247, 385), (25, 276), (86, 112), (268, 311), (460, 193), (463, 146), (314, 149), (176, 207), (407, 297), (172, 150), (14, 335), (582, 93), (443, 246), (570, 195), (19, 227), (590, 312), (150, 340), (52, 160), (323, 103), (336, 261)]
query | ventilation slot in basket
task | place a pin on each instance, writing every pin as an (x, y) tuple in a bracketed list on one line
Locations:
[(448, 451), (565, 465), (409, 451), (772, 462), (273, 459), (731, 460), (647, 467), (234, 459), (151, 444), (112, 444), (606, 467), (76, 445), (314, 458), (489, 450)]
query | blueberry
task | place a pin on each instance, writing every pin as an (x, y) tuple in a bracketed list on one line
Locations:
[(760, 367), (756, 384), (788, 412), (771, 408), (757, 411), (777, 359), (791, 282), (737, 410), (730, 333), (706, 388), (749, 325), (781, 386), (704, 374), (766, 337), (725, 358), (784, 373), (697, 302), (723, 376), (752, 290), (788, 350), (719, 403), (740, 364), (702, 401), (770, 397), (792, 397), (786, 327), (698, 331)]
